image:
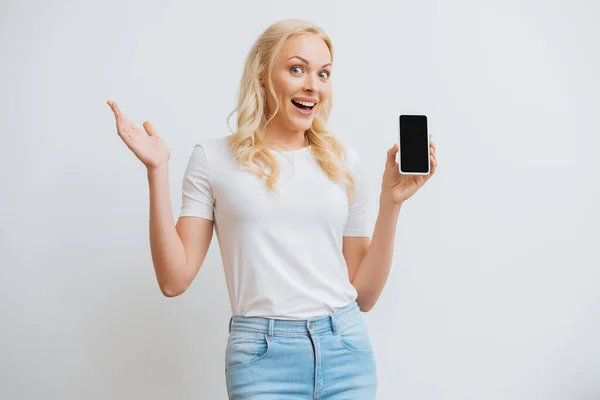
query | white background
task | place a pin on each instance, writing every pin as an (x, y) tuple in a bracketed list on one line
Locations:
[(493, 292)]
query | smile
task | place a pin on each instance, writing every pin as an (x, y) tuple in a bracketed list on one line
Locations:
[(303, 107)]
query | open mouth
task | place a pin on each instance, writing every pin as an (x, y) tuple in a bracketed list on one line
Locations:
[(303, 106)]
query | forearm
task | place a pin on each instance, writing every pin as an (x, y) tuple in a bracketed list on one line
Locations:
[(373, 270), (168, 252)]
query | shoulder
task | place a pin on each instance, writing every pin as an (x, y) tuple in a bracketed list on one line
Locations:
[(214, 143), (212, 149), (354, 159)]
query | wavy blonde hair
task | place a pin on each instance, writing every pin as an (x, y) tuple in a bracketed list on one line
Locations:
[(247, 143)]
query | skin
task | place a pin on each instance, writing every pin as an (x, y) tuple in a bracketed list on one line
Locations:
[(294, 78)]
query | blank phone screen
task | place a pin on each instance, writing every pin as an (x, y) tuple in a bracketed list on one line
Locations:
[(414, 146)]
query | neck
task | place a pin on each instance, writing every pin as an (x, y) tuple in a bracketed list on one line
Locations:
[(289, 141)]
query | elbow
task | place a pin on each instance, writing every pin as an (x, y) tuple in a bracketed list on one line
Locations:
[(364, 307), (167, 293), (170, 291), (173, 286)]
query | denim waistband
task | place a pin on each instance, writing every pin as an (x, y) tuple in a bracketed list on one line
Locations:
[(274, 326)]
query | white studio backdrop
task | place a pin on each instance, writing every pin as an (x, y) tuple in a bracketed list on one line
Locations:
[(493, 292)]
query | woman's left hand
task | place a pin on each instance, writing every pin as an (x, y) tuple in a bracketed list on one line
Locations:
[(397, 188)]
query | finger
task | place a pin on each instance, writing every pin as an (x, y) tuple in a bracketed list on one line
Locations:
[(119, 117), (124, 126), (122, 121), (431, 167), (150, 128), (432, 148), (433, 157), (391, 156), (129, 127), (115, 108)]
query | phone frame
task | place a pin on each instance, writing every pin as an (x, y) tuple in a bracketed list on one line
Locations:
[(428, 145)]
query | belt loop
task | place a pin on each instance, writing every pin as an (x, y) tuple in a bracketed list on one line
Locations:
[(333, 324), (271, 323), (230, 321)]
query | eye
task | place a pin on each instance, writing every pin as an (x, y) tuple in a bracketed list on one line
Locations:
[(326, 74), (295, 67)]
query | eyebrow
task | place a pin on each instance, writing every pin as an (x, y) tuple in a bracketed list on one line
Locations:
[(306, 61)]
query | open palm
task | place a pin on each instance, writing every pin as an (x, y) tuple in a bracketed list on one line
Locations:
[(147, 146)]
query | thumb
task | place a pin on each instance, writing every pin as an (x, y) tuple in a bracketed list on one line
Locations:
[(391, 156), (150, 128)]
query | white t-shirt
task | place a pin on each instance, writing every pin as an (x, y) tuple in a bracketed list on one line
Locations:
[(282, 254)]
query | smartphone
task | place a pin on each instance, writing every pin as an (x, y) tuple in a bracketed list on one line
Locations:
[(414, 145)]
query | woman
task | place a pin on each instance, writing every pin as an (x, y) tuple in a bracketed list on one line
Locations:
[(298, 260)]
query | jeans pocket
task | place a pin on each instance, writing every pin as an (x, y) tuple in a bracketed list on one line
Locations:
[(354, 335), (245, 348)]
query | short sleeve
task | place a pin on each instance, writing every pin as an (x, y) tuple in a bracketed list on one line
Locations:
[(196, 193), (357, 223)]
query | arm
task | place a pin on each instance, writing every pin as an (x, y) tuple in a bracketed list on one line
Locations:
[(373, 270), (374, 267), (177, 252)]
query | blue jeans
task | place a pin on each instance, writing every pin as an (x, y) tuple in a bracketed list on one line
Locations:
[(326, 357)]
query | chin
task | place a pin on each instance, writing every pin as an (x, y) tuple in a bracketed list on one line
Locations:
[(301, 126), (297, 123)]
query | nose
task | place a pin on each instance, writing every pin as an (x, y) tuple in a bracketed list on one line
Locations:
[(309, 83)]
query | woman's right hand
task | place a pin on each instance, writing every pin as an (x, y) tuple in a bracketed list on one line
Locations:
[(148, 147)]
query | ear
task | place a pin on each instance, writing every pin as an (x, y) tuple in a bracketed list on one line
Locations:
[(262, 78)]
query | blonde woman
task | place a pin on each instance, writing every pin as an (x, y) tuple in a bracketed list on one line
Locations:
[(289, 206)]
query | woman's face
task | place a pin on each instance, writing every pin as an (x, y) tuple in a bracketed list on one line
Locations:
[(301, 73)]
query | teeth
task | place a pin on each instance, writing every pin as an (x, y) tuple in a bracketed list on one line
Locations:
[(304, 103)]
